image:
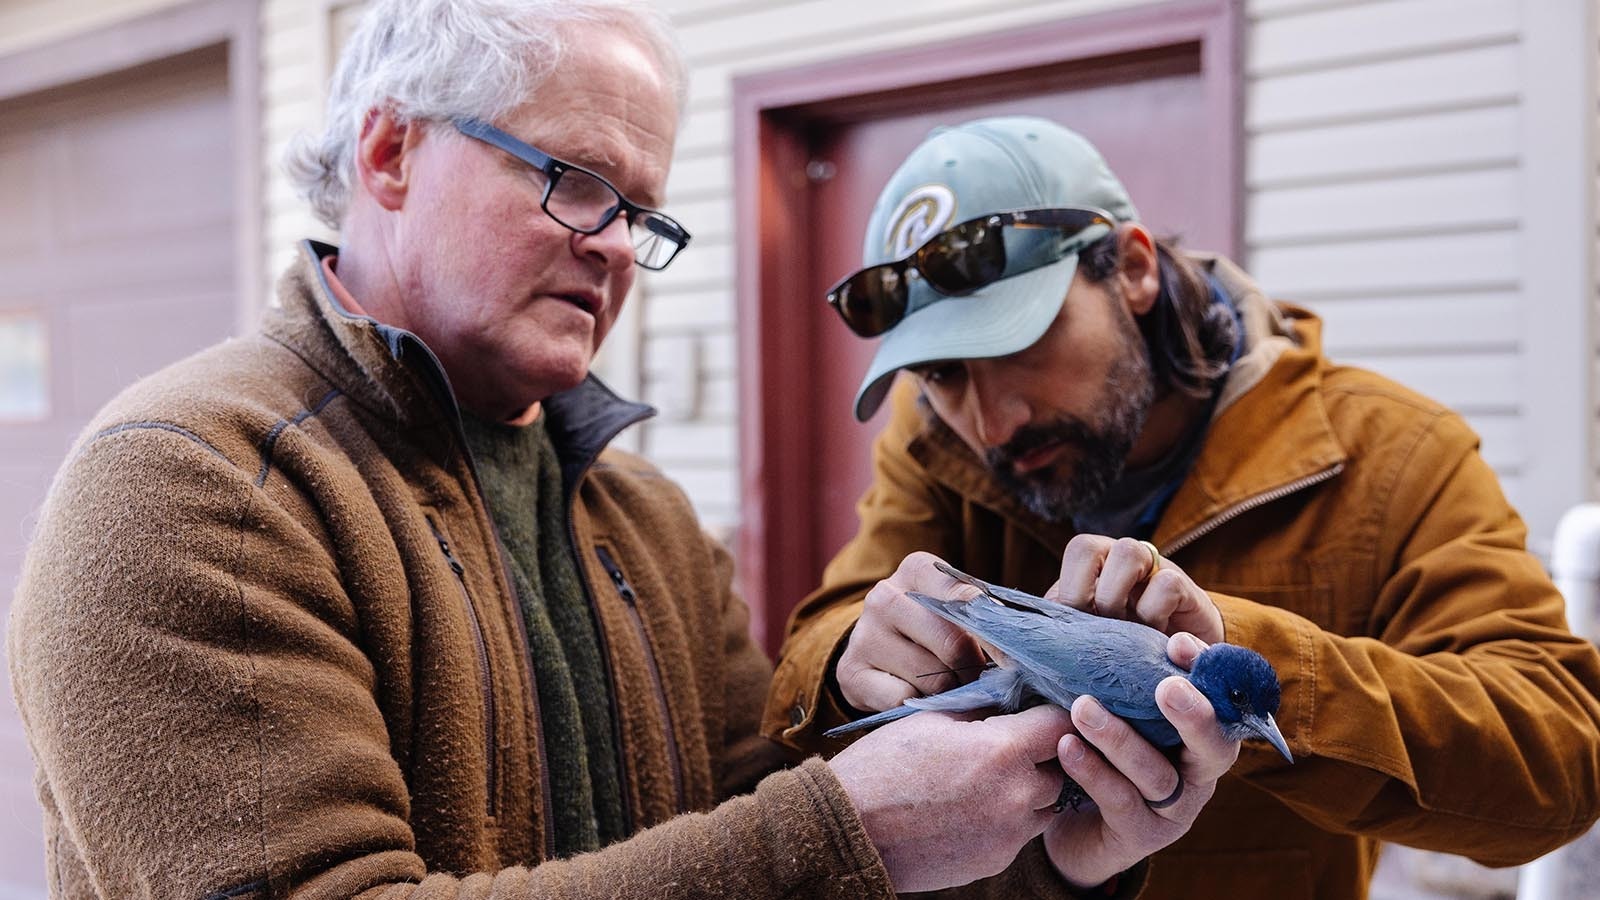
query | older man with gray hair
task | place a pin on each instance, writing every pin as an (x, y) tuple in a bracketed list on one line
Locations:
[(361, 605)]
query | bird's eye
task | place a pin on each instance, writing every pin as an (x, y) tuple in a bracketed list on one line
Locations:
[(1237, 696)]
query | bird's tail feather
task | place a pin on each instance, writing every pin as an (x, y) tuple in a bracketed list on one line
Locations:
[(995, 687), (872, 721)]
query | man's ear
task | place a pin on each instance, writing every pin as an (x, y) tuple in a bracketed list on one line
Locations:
[(1139, 269), (383, 156)]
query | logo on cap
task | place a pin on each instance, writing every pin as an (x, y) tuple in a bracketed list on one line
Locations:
[(923, 213)]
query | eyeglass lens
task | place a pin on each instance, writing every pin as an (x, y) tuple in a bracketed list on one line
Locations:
[(586, 203)]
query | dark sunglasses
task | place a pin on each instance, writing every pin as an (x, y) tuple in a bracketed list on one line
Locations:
[(585, 202), (964, 258)]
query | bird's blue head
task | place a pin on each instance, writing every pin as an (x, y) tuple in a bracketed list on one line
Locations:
[(1243, 689)]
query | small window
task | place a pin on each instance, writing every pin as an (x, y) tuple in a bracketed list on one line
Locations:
[(24, 367)]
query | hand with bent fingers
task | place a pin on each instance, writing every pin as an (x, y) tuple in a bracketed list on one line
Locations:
[(898, 649), (1094, 843), (1127, 579), (947, 800)]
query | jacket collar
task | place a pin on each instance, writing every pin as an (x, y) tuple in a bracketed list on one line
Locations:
[(1269, 434), (391, 372)]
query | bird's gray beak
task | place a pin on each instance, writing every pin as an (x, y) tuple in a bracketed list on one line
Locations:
[(1265, 728)]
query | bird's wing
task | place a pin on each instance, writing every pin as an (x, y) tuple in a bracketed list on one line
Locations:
[(1115, 661), (1014, 597)]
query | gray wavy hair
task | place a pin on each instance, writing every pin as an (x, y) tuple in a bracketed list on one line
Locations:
[(439, 59)]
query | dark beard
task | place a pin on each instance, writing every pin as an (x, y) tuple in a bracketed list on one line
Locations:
[(1102, 447)]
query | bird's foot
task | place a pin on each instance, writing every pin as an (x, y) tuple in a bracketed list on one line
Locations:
[(1071, 797)]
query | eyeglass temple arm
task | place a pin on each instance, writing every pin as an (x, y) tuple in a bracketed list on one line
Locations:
[(489, 134)]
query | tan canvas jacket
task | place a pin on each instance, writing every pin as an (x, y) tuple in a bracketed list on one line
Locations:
[(264, 646), (1349, 530)]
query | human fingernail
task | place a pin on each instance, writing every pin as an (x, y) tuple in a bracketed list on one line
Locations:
[(1091, 714), (1184, 696), (1072, 749)]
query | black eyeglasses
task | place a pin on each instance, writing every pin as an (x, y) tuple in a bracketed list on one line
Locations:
[(964, 258), (585, 202)]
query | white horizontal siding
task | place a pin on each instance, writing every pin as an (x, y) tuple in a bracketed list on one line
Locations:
[(33, 23), (1413, 264), (1386, 190), (1369, 32), (1456, 140), (1480, 76), (1419, 325), (1419, 204)]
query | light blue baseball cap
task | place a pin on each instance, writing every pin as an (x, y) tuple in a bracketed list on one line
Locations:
[(963, 172)]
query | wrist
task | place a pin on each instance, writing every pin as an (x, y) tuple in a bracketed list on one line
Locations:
[(1124, 884)]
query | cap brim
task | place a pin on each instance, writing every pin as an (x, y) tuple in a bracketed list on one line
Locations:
[(1001, 319)]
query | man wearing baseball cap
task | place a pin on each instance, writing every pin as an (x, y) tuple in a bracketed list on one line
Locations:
[(1090, 414)]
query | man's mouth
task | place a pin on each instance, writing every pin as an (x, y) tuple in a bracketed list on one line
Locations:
[(589, 303), (1038, 458)]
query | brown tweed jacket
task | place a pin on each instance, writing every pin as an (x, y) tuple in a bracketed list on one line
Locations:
[(264, 646)]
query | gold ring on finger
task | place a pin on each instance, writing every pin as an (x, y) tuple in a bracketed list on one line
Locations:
[(1155, 557)]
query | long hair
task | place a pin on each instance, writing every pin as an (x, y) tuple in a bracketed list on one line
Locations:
[(434, 60), (1190, 338)]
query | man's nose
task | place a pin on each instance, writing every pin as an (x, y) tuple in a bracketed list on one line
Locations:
[(611, 246), (998, 409)]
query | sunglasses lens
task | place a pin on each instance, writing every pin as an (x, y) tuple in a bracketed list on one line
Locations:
[(964, 258), (873, 301)]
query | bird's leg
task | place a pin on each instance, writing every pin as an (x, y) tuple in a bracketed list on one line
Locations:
[(1072, 796)]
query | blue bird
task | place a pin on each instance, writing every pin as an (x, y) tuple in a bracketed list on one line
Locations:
[(1055, 653)]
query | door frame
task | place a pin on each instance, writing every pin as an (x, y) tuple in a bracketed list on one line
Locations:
[(159, 35), (774, 114)]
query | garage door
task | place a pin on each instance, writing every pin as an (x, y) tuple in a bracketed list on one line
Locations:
[(116, 257)]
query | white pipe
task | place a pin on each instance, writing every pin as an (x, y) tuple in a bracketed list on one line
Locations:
[(1575, 567)]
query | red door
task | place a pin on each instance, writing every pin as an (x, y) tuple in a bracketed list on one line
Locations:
[(806, 460)]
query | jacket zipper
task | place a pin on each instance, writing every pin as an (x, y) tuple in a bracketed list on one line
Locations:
[(486, 680), (1247, 504), (631, 600), (545, 801), (628, 813)]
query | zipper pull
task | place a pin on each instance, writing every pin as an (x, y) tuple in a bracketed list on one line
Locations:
[(617, 578), (444, 547)]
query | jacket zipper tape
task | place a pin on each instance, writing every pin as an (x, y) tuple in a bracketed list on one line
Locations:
[(631, 600), (1247, 504), (490, 746)]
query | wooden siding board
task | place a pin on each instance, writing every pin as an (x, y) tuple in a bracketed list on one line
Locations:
[(1388, 148), (1420, 204), (1375, 31), (1420, 324), (1411, 265), (1482, 76), (786, 35)]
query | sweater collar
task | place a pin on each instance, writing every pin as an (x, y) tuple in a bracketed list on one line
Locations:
[(391, 372)]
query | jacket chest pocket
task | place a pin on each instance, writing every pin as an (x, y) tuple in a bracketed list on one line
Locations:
[(1289, 585), (630, 601), (485, 673)]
